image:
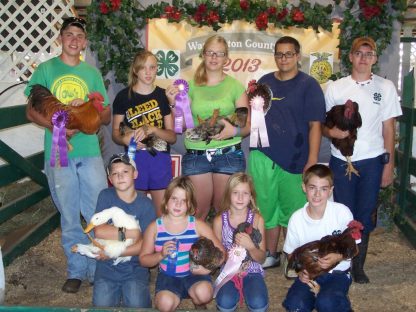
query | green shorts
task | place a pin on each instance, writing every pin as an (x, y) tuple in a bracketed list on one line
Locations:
[(279, 193)]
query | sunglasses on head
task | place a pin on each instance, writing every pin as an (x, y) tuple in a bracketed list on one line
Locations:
[(75, 21)]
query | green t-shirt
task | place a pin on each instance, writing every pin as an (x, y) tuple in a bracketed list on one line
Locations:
[(68, 83), (207, 98)]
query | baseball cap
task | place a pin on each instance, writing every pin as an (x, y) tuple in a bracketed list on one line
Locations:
[(358, 42), (123, 158), (74, 21)]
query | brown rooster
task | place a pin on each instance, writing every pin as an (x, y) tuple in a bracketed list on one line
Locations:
[(85, 118), (213, 125), (345, 117), (306, 256), (203, 252)]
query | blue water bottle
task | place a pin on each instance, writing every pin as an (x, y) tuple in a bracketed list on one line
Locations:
[(131, 150)]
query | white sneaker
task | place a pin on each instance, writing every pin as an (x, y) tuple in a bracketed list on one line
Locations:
[(290, 274), (270, 261)]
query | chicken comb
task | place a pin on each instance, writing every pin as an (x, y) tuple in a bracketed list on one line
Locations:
[(97, 99), (356, 227), (252, 86)]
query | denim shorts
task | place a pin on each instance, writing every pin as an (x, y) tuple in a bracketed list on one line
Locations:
[(179, 285), (229, 163)]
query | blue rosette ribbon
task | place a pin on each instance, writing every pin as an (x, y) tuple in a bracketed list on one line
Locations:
[(59, 147), (183, 106)]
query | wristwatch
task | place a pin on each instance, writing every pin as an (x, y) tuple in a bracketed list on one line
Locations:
[(122, 234)]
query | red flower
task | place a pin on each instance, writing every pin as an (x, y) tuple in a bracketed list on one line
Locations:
[(176, 16), (169, 10), (271, 11), (262, 21), (202, 8), (282, 14), (297, 15), (244, 5), (115, 4), (370, 11), (362, 3), (104, 8), (213, 17), (198, 17)]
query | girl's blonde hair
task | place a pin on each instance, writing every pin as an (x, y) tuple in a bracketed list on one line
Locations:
[(185, 184), (233, 181), (138, 63), (200, 76)]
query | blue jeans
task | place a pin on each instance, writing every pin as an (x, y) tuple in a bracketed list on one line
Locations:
[(360, 193), (333, 295), (131, 293), (229, 163), (74, 190), (254, 290)]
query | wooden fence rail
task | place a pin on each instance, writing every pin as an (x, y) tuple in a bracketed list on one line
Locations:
[(406, 163), (15, 169)]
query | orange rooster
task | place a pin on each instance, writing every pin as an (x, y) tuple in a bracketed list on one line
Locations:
[(85, 118)]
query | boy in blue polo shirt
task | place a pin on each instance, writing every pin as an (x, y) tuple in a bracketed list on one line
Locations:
[(127, 283)]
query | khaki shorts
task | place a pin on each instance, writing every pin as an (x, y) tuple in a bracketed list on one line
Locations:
[(279, 193)]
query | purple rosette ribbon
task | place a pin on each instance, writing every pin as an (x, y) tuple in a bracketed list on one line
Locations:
[(183, 106), (258, 133), (59, 145)]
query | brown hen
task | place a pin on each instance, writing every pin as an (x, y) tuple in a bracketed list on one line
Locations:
[(203, 252), (306, 256), (85, 118), (345, 117)]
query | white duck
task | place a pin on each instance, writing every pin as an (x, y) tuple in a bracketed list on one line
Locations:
[(112, 248)]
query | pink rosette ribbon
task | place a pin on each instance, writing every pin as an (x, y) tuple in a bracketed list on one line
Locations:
[(236, 255), (59, 145), (183, 106), (258, 134)]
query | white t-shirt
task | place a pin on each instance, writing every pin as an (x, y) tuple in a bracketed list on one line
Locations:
[(303, 229), (377, 101)]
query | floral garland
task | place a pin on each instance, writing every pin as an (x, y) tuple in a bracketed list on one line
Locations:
[(113, 25)]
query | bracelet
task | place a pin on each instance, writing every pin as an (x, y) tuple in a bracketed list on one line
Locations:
[(122, 234), (237, 131)]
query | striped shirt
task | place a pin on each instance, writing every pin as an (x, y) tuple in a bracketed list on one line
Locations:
[(185, 241)]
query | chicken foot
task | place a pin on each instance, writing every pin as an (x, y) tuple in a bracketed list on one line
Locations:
[(350, 168)]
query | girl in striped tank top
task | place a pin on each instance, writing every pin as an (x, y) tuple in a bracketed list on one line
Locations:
[(238, 206), (167, 242)]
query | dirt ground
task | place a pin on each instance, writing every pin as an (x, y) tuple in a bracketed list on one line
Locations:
[(35, 279)]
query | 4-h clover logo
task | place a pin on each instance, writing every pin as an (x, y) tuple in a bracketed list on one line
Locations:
[(377, 97), (168, 64)]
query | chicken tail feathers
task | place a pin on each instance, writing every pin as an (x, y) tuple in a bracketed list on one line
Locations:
[(37, 96)]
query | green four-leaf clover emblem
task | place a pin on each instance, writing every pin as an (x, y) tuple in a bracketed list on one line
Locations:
[(168, 63)]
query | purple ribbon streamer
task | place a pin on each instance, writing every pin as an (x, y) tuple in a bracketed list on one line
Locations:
[(183, 106), (59, 145)]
